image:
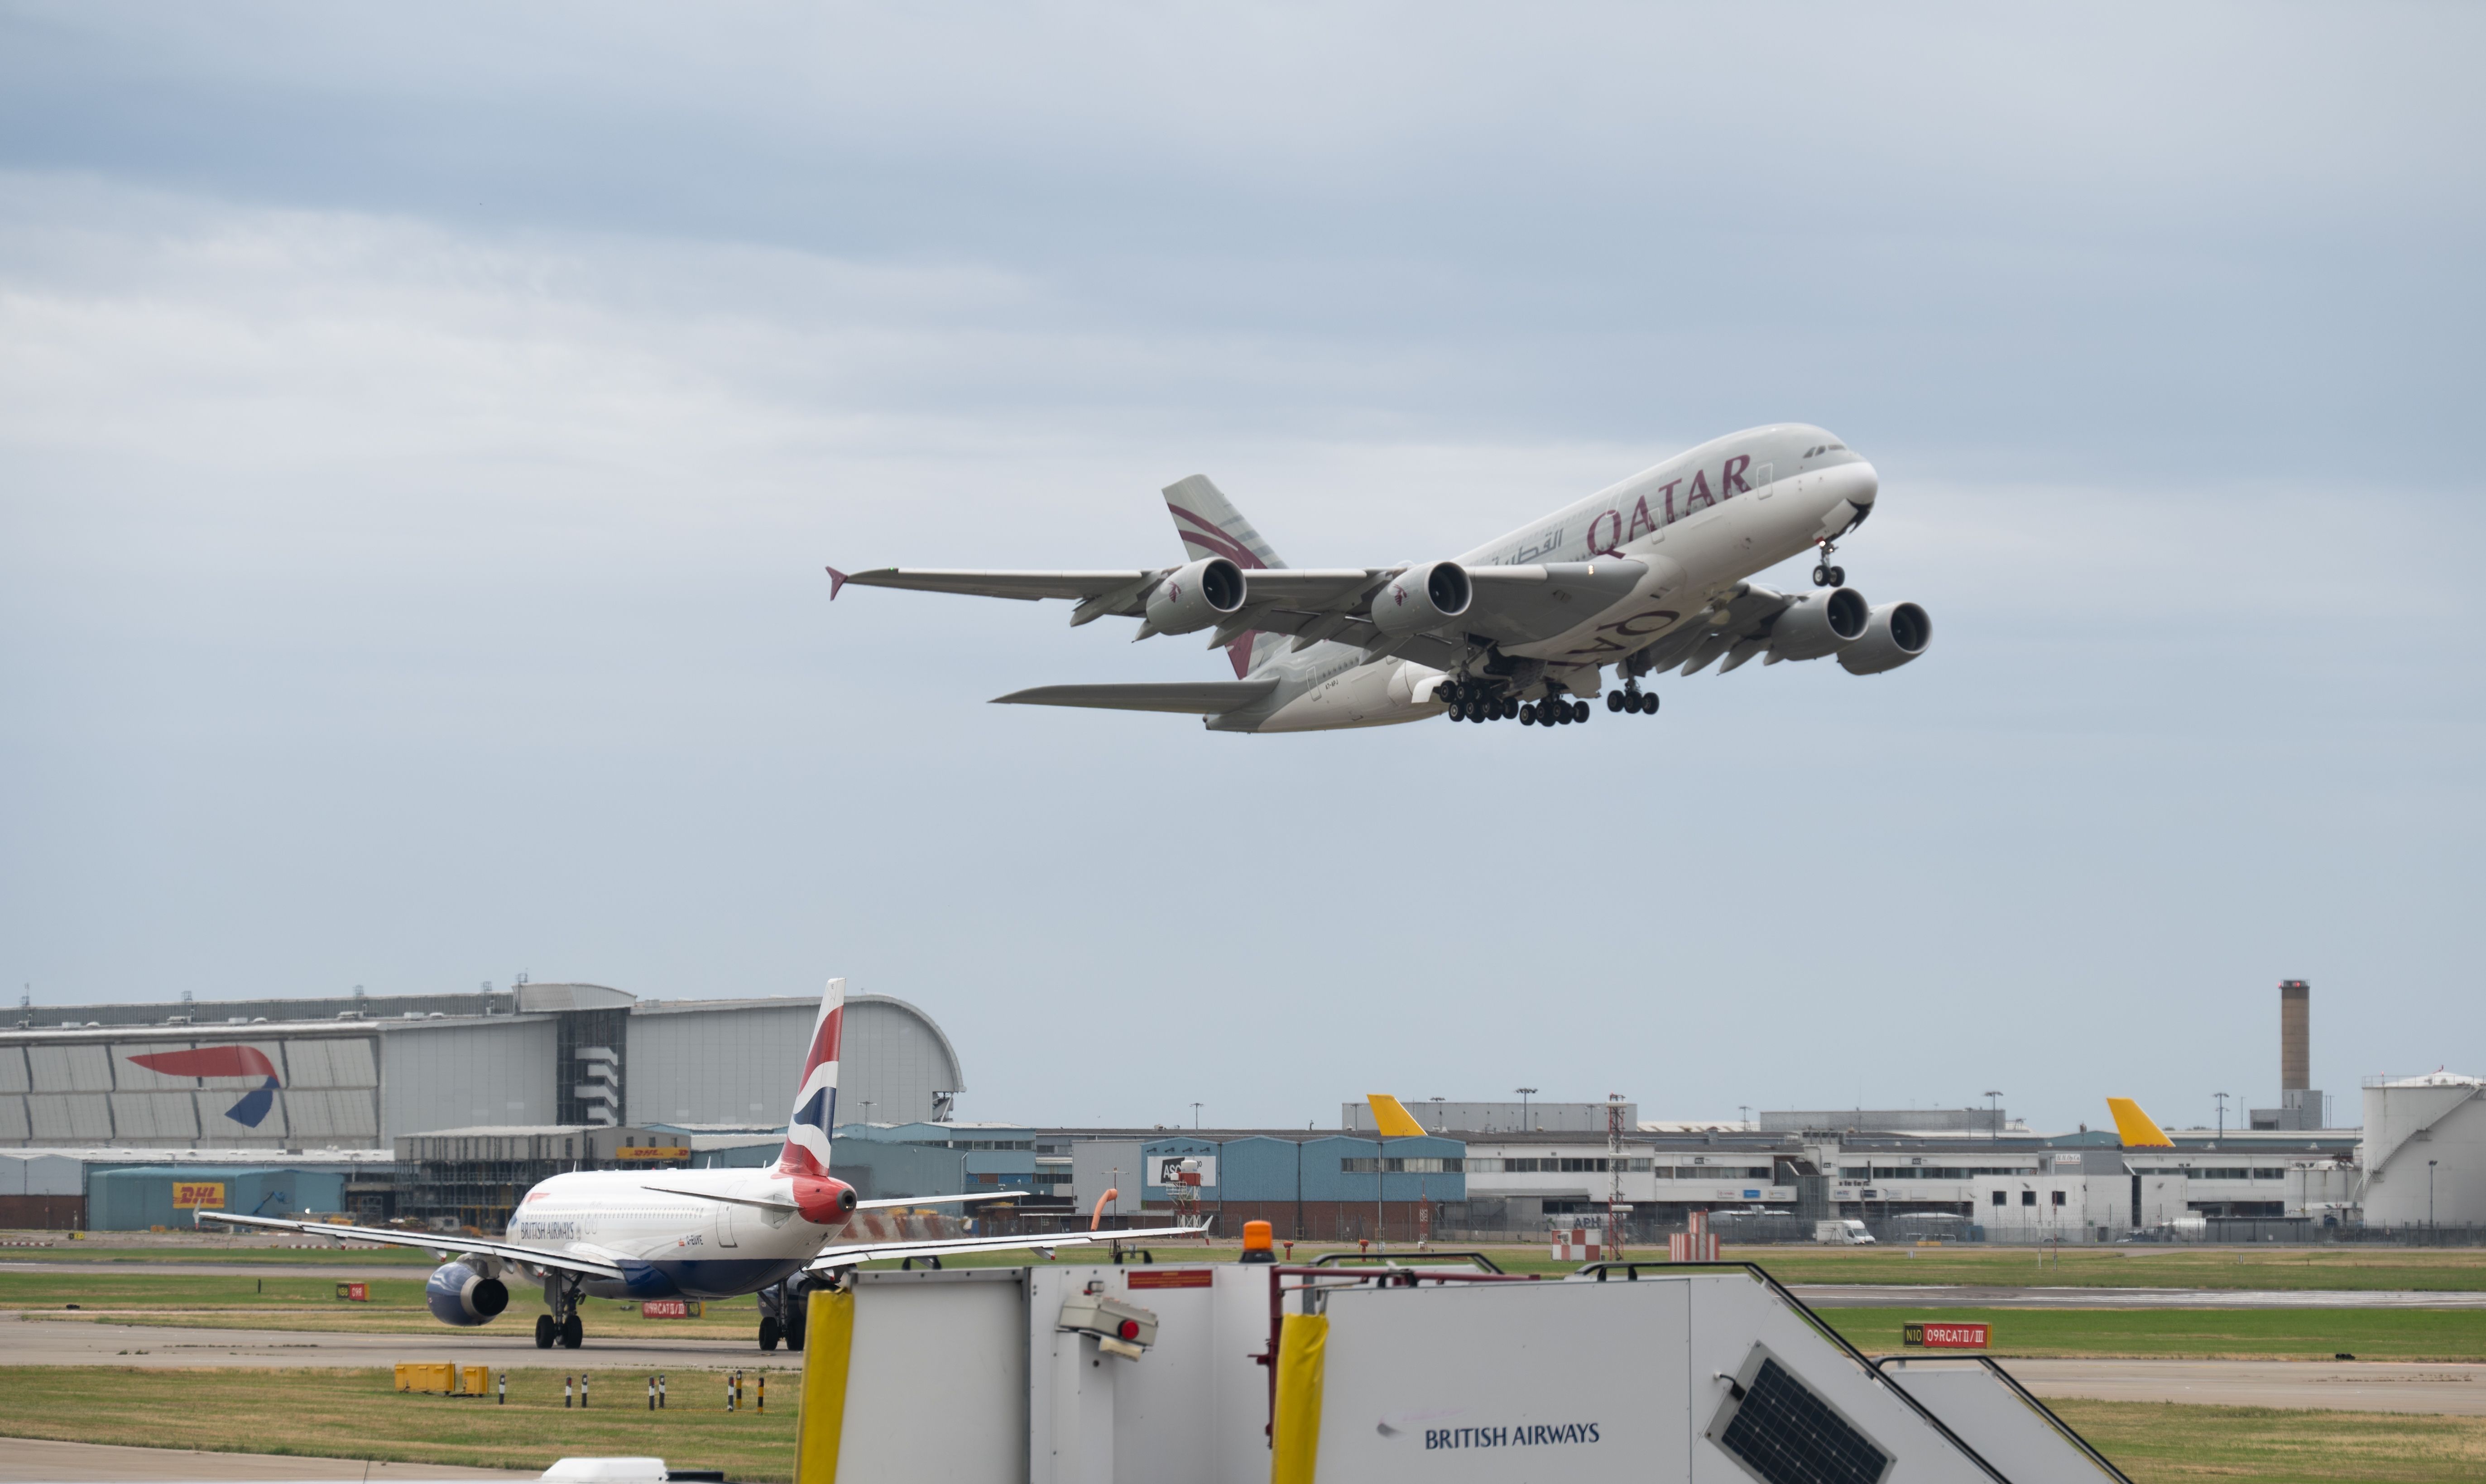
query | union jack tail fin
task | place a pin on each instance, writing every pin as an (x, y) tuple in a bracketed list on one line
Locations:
[(1210, 526), (816, 1096)]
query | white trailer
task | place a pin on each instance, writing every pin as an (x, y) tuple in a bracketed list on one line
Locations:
[(1234, 1374)]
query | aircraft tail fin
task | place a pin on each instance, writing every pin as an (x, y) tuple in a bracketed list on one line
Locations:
[(2137, 1129), (816, 1095), (1392, 1117), (1210, 526)]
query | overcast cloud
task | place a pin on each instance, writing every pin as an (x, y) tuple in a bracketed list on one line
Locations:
[(422, 432)]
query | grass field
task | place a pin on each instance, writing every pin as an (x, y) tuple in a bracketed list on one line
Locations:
[(2194, 1333), (2160, 1443), (358, 1415)]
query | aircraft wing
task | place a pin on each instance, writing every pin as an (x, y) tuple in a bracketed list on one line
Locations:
[(440, 1243), (1202, 697), (1027, 587), (935, 1200), (886, 1251)]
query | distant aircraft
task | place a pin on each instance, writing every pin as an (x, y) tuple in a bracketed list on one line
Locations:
[(1648, 574), (695, 1233), (2136, 1129)]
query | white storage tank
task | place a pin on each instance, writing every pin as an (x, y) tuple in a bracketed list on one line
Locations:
[(2424, 1150)]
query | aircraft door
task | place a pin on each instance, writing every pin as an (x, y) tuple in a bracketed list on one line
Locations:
[(725, 1224), (1763, 480)]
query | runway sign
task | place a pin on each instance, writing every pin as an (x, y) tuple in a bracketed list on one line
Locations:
[(1947, 1336), (670, 1309), (354, 1293)]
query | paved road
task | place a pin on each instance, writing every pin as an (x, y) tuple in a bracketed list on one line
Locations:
[(1948, 1296), (344, 1272), (24, 1459), (43, 1339), (2339, 1385)]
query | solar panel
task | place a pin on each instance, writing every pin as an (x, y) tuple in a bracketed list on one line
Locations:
[(1786, 1435)]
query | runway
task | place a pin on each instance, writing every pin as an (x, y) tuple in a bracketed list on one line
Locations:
[(44, 1340), (2337, 1385), (28, 1460), (1943, 1296)]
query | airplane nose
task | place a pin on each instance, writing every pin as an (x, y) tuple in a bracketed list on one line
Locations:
[(1867, 485)]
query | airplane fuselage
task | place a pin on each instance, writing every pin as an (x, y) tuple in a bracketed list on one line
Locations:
[(674, 1233), (1699, 523)]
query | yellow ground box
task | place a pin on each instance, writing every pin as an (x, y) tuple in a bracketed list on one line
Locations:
[(446, 1379)]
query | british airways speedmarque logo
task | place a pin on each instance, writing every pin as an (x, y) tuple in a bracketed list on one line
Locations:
[(223, 1061)]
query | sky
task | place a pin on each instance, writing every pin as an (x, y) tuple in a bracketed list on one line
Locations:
[(423, 431)]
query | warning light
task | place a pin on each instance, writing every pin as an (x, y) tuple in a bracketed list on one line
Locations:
[(1128, 1328), (1258, 1245)]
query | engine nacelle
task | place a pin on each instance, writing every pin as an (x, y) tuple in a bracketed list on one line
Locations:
[(1421, 597), (1196, 597), (823, 1202), (1819, 623), (464, 1295), (1894, 634)]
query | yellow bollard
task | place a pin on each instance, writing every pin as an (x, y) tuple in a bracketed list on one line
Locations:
[(828, 1349)]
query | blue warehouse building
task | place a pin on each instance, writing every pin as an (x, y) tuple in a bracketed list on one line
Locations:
[(1316, 1187)]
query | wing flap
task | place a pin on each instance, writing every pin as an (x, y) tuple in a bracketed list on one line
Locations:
[(1201, 698)]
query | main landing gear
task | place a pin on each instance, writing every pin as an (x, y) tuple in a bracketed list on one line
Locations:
[(567, 1331), (1632, 698), (1554, 711), (1470, 701)]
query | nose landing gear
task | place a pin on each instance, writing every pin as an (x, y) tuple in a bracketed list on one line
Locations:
[(562, 1329), (1826, 574)]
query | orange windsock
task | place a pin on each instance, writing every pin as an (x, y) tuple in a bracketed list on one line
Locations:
[(1097, 1220)]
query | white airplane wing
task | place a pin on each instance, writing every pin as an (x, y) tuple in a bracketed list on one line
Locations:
[(441, 1244), (937, 1201), (884, 1252), (1205, 698), (1507, 604)]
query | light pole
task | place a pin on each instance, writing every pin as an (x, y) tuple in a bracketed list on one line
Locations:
[(2223, 1112), (1745, 1109), (1994, 1114), (1195, 1117), (1522, 1107), (2429, 1193)]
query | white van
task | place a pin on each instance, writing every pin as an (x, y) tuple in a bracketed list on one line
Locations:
[(1842, 1234)]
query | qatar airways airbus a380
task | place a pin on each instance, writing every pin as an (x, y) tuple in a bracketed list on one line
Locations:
[(695, 1233), (1651, 574)]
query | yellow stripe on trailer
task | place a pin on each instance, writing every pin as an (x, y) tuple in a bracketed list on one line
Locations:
[(828, 1353), (1303, 1359)]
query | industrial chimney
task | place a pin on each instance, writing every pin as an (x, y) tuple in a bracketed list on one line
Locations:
[(2295, 1011), (2300, 1107)]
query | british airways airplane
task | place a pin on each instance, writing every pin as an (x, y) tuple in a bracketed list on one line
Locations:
[(1651, 574), (693, 1233)]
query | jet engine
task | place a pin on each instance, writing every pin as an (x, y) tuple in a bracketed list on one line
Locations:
[(1894, 634), (1819, 623), (1196, 596), (1421, 597), (465, 1295)]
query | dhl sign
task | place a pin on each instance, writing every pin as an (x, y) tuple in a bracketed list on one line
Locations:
[(652, 1153), (198, 1195), (1947, 1336)]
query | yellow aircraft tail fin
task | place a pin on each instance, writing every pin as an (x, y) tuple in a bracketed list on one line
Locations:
[(1392, 1119), (2137, 1129)]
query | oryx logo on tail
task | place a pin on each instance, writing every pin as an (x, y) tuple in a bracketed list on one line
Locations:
[(816, 1096)]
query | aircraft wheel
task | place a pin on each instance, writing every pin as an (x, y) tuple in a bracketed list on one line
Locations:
[(1527, 715), (572, 1334), (1511, 709), (1821, 575), (1579, 710), (768, 1331), (545, 1331), (1614, 701), (1838, 576), (1457, 712)]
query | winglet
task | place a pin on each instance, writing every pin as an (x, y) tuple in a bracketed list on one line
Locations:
[(1392, 1119), (2137, 1129), (837, 581)]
